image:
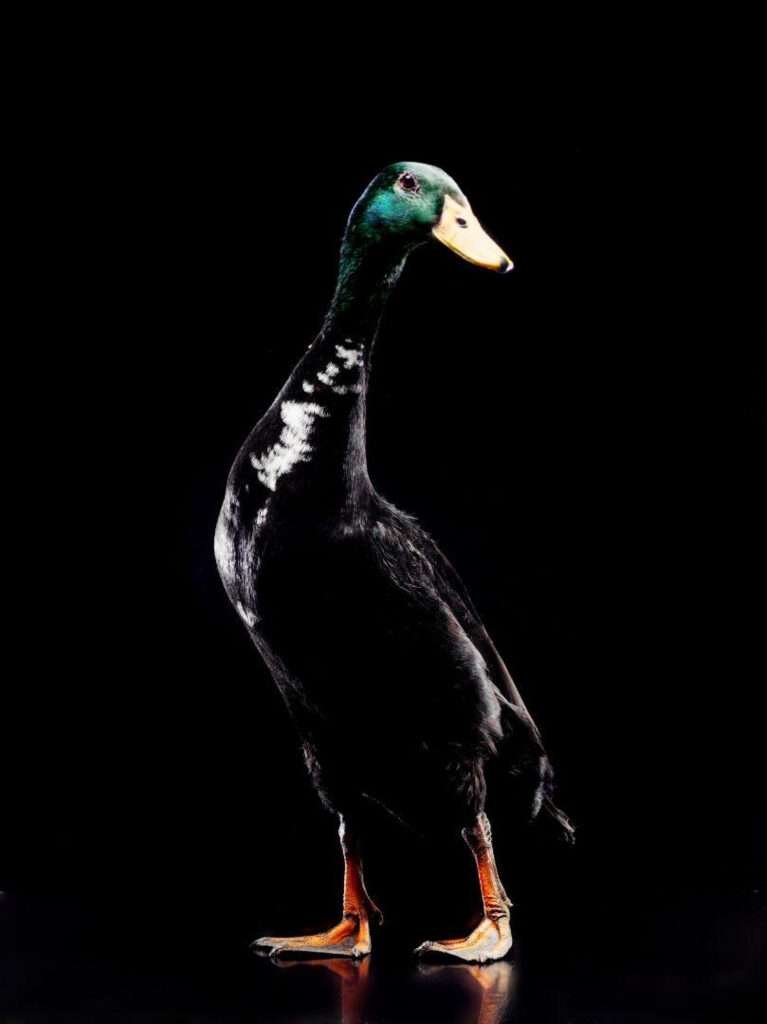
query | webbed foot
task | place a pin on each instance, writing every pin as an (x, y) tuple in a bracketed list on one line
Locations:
[(490, 940), (351, 937)]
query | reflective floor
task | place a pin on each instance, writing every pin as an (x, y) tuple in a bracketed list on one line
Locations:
[(675, 964), (447, 992)]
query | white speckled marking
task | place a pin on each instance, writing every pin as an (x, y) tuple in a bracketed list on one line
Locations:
[(329, 373), (349, 356), (293, 444), (261, 515), (223, 548), (245, 615), (308, 388)]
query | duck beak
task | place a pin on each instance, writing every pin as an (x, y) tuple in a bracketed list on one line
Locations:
[(459, 230)]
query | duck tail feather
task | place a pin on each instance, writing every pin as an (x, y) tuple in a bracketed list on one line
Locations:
[(559, 816)]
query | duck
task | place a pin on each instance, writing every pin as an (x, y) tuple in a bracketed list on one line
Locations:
[(399, 696)]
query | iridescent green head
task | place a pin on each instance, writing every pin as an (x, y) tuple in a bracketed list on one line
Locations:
[(411, 203)]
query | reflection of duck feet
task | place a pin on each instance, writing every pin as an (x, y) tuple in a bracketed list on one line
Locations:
[(349, 938), (354, 983), (496, 984), (351, 972), (490, 940)]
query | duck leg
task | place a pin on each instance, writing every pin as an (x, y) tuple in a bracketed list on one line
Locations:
[(491, 939), (351, 936)]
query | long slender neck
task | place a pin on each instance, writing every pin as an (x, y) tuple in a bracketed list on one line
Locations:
[(365, 279), (332, 378)]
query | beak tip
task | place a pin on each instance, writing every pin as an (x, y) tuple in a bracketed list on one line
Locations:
[(506, 266)]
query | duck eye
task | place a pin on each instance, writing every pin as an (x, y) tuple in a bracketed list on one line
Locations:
[(408, 182)]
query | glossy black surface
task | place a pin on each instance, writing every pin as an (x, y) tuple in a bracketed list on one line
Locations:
[(581, 962), (584, 437)]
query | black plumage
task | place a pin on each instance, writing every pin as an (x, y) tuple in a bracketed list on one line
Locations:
[(399, 694)]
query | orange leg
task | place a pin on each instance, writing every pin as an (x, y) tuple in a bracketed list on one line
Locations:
[(491, 939), (351, 936)]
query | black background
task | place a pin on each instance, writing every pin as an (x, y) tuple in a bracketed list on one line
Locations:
[(584, 437)]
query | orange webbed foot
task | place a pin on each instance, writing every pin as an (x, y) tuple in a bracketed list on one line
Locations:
[(490, 940), (351, 937)]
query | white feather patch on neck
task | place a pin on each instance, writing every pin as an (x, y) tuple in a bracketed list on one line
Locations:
[(329, 373), (350, 357), (293, 444)]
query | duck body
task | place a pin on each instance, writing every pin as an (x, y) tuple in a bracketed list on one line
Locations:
[(363, 622), (399, 695)]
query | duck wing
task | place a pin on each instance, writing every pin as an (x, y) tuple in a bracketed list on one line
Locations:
[(520, 723), (453, 591)]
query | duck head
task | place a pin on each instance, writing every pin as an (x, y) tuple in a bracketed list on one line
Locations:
[(408, 204)]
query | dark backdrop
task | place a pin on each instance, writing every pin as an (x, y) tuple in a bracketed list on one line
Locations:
[(584, 438)]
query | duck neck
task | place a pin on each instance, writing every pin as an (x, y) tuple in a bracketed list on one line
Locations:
[(334, 374)]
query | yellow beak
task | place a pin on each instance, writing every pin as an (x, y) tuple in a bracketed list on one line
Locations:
[(460, 231)]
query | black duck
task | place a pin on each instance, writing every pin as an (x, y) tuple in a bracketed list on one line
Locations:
[(397, 691)]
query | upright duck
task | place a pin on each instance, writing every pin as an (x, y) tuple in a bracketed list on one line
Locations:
[(396, 689)]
